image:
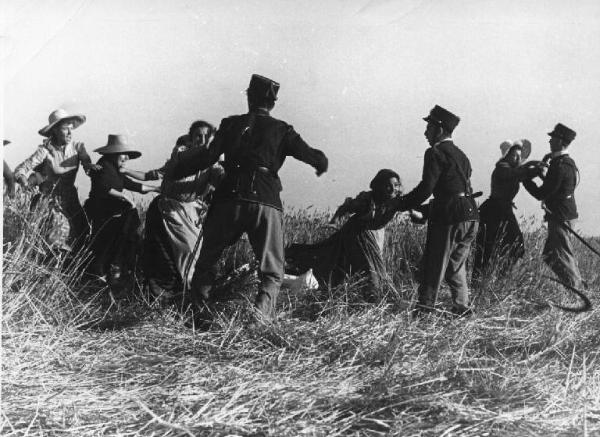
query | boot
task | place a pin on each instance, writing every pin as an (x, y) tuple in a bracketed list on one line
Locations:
[(264, 306)]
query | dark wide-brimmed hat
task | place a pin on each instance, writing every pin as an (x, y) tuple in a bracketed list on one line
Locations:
[(442, 117), (58, 116), (118, 144), (261, 86), (563, 132)]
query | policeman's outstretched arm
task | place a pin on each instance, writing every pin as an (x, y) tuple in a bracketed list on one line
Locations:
[(296, 147), (190, 161)]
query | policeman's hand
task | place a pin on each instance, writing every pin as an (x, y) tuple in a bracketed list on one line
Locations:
[(547, 157), (322, 167), (153, 175)]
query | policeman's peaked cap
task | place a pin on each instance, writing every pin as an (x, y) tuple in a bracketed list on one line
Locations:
[(261, 86), (563, 132), (442, 117)]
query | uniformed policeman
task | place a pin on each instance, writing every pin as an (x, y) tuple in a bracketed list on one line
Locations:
[(255, 146), (558, 194), (453, 215)]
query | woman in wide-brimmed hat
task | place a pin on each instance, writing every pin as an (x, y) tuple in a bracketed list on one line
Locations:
[(114, 217), (174, 218), (499, 239), (357, 247), (60, 158)]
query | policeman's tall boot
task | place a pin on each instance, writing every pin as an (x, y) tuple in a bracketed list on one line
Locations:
[(265, 306), (202, 315)]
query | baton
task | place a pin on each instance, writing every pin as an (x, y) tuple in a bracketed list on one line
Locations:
[(586, 306)]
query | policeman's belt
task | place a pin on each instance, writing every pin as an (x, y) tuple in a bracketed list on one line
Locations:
[(463, 194), (251, 168)]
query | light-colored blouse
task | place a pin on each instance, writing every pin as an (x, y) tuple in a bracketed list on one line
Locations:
[(69, 155)]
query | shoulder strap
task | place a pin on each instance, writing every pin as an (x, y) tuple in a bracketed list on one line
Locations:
[(568, 161), (468, 188)]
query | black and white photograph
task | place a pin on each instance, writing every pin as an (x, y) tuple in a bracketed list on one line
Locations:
[(300, 218)]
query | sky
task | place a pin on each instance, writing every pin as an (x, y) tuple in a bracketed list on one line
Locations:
[(356, 79)]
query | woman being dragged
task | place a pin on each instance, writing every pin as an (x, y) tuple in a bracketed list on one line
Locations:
[(357, 247), (174, 218), (114, 217)]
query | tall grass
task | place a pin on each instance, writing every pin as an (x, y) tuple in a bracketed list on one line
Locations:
[(77, 362)]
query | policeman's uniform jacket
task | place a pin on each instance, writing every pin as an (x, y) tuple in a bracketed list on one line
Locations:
[(557, 191), (255, 146), (446, 175)]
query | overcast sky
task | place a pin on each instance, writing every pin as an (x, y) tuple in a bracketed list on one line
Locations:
[(356, 79)]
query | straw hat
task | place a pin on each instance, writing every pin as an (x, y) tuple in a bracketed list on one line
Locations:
[(118, 144), (524, 144), (61, 115)]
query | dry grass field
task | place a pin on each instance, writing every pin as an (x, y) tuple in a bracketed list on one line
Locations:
[(78, 362)]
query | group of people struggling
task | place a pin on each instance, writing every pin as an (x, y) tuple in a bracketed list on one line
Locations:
[(221, 183)]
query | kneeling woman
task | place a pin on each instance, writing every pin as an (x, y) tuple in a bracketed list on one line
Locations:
[(114, 218), (357, 247)]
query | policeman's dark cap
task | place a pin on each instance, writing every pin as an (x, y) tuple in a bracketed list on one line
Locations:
[(261, 86), (443, 117), (563, 132)]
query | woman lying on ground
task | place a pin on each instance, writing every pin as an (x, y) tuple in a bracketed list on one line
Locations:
[(114, 217), (357, 247), (499, 239), (174, 218)]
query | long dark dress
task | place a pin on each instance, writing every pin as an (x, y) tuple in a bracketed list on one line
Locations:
[(356, 248), (115, 222), (499, 240)]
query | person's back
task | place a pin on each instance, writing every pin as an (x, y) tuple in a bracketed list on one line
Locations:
[(255, 146)]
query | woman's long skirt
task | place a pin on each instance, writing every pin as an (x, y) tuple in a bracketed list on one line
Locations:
[(349, 251), (114, 240), (172, 244), (499, 242)]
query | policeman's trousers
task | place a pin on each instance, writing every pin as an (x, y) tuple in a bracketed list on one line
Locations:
[(558, 254), (445, 257), (225, 224)]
